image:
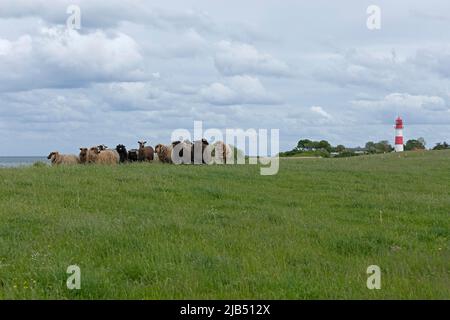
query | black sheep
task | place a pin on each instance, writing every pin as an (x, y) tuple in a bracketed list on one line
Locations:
[(133, 155), (197, 152), (122, 151)]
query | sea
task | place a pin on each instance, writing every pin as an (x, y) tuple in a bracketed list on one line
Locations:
[(8, 162)]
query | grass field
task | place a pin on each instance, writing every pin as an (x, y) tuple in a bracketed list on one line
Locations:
[(150, 231)]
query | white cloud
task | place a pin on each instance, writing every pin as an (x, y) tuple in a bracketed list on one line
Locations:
[(405, 100), (218, 93), (58, 57), (415, 109), (240, 58), (188, 44), (319, 110), (238, 90), (360, 68), (91, 55)]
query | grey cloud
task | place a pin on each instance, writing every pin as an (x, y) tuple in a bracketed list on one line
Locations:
[(113, 13), (436, 59), (302, 67)]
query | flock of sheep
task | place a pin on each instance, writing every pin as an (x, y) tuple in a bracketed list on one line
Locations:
[(178, 152)]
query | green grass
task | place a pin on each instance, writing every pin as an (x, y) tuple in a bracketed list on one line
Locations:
[(151, 231)]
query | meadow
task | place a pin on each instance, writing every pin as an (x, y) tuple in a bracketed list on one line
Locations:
[(155, 231)]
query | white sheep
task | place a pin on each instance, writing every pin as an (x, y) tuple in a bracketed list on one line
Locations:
[(62, 159)]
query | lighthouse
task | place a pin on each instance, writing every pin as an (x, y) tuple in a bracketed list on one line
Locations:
[(399, 135)]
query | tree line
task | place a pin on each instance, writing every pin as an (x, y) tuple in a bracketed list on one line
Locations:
[(323, 148)]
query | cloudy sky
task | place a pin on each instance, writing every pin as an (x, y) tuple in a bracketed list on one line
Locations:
[(140, 69)]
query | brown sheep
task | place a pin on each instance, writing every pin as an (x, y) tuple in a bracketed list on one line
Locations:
[(83, 155), (107, 157), (62, 159), (145, 153), (164, 153), (92, 155), (88, 155)]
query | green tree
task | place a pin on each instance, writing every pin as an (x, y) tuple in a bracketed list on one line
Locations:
[(383, 147), (441, 146), (371, 147), (304, 144), (415, 144), (324, 145)]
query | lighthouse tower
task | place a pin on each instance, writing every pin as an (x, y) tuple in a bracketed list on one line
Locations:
[(399, 135)]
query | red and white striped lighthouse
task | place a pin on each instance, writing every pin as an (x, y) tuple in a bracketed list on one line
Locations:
[(399, 135)]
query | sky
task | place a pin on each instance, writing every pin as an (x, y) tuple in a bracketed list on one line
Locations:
[(141, 69)]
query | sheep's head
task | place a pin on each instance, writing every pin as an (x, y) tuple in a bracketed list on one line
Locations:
[(142, 144), (158, 148), (121, 148), (102, 147), (83, 155), (205, 142), (95, 150), (122, 151), (52, 155)]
